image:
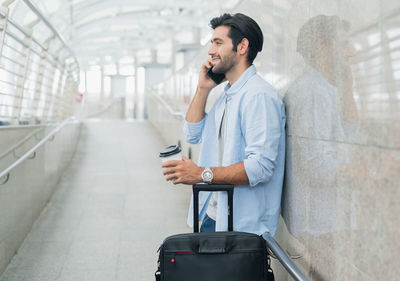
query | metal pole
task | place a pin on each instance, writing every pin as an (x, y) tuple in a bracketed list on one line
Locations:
[(33, 149), (287, 263)]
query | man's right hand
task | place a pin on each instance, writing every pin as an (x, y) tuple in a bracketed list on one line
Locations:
[(197, 106), (205, 82)]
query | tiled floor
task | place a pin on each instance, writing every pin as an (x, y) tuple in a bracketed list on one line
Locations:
[(109, 213)]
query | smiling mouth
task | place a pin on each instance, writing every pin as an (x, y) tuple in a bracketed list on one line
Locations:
[(215, 60)]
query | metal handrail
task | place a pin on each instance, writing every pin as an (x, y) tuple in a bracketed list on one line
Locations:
[(168, 107), (22, 126), (284, 259), (21, 142), (103, 110), (28, 154)]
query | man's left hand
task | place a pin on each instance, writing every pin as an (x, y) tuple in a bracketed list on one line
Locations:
[(183, 171)]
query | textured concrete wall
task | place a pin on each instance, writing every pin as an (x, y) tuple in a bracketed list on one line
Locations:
[(337, 66), (31, 184)]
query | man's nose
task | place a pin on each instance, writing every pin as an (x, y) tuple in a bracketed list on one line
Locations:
[(212, 50)]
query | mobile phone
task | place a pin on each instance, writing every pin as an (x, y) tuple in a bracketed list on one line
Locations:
[(216, 77)]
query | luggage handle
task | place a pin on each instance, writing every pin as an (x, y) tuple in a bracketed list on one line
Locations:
[(211, 187)]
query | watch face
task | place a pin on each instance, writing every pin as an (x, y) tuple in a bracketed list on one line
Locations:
[(207, 175)]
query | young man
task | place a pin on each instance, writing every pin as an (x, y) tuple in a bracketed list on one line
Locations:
[(243, 135)]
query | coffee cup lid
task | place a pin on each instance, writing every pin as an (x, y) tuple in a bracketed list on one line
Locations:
[(170, 150)]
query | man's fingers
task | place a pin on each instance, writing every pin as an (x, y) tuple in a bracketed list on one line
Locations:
[(208, 64), (168, 171), (180, 171), (171, 163), (177, 181), (171, 177)]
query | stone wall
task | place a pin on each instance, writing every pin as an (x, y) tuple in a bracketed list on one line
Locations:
[(337, 66), (25, 192)]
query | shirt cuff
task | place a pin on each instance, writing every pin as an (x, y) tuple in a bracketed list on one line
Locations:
[(193, 131), (255, 172)]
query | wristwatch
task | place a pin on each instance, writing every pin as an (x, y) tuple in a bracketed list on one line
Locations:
[(207, 175)]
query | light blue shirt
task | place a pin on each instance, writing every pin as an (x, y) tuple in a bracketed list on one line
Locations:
[(254, 134)]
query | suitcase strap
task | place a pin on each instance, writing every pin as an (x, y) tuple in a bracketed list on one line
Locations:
[(270, 274), (157, 275)]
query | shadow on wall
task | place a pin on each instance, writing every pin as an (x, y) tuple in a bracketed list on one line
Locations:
[(321, 114)]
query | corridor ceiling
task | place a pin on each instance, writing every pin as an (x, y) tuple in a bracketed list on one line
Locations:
[(107, 30)]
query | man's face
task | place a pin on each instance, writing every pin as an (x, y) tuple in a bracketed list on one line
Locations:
[(221, 50), (341, 53), (342, 50)]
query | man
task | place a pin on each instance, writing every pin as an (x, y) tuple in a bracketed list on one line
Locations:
[(243, 135)]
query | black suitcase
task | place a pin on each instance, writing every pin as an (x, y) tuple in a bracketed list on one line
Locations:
[(216, 256)]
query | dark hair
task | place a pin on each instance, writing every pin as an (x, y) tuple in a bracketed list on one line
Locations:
[(320, 28), (241, 26)]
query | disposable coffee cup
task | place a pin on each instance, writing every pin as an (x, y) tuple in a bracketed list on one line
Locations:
[(172, 152)]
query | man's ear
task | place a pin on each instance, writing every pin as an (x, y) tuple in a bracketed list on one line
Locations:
[(243, 46)]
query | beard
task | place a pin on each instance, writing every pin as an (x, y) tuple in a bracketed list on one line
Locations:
[(226, 63)]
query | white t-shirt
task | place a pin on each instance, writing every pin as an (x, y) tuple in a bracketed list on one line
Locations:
[(213, 204)]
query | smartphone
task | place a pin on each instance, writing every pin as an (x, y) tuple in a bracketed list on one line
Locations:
[(216, 77)]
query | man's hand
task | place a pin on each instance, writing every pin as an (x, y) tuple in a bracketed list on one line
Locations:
[(183, 171), (206, 82)]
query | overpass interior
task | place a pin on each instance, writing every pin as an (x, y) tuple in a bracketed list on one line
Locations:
[(91, 90), (109, 212)]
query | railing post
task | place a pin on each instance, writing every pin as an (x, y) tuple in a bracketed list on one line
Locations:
[(3, 27), (38, 88), (22, 73), (48, 99), (39, 112), (59, 102), (53, 96), (69, 93)]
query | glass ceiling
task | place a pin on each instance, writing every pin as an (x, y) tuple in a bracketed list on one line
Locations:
[(104, 30)]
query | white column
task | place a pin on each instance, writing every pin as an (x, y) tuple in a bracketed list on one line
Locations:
[(135, 93), (173, 66), (86, 87), (153, 55), (196, 35), (102, 82)]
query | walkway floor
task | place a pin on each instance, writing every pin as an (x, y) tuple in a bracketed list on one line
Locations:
[(109, 213)]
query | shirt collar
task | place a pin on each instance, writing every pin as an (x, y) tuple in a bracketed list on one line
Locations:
[(231, 90)]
